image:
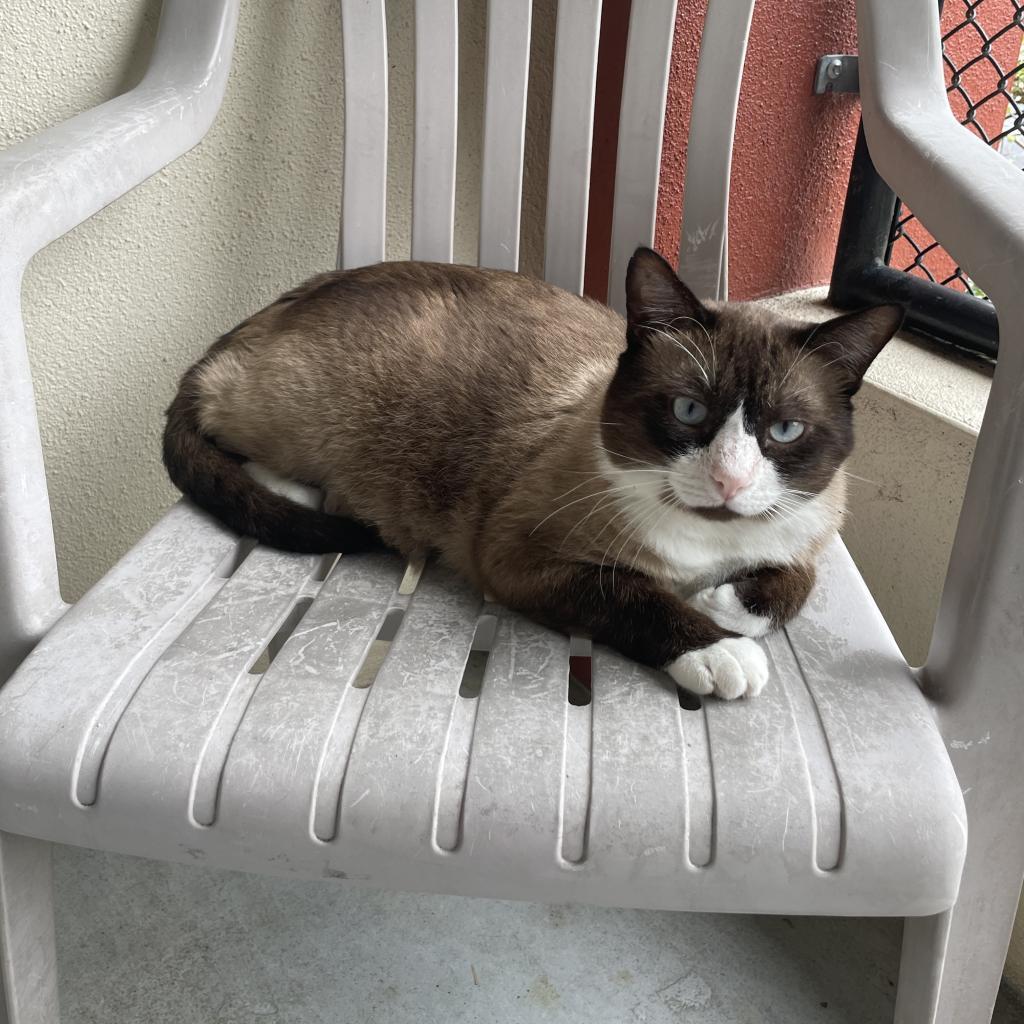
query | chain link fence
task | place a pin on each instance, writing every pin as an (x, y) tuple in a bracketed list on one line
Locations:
[(983, 52)]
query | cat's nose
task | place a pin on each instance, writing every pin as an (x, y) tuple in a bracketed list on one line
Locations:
[(729, 484)]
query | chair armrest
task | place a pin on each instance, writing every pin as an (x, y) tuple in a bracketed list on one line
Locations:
[(48, 185), (62, 176), (967, 195), (972, 201)]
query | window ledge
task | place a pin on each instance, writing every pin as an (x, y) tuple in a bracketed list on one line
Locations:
[(942, 383)]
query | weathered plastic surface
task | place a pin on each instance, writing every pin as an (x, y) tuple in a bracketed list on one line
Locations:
[(501, 172), (138, 725), (28, 977), (436, 132), (704, 239), (972, 200), (48, 185), (574, 89), (146, 723), (364, 194)]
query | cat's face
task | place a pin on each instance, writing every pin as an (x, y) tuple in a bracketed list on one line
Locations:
[(735, 411)]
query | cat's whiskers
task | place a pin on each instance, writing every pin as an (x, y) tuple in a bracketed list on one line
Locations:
[(628, 470), (604, 503), (628, 458), (832, 362), (604, 557), (670, 325), (576, 501), (644, 524), (582, 483), (797, 358), (789, 504), (860, 479), (644, 518), (678, 342), (802, 355), (711, 341)]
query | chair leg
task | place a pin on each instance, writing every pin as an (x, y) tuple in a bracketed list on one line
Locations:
[(921, 962), (951, 964), (28, 952)]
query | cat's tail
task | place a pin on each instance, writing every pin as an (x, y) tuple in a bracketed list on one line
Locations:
[(219, 484)]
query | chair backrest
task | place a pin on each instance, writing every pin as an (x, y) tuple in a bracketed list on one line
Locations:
[(648, 53)]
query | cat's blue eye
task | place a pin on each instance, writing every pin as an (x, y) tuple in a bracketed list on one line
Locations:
[(689, 411), (786, 431)]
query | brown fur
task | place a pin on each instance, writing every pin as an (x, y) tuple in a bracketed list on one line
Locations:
[(460, 410), (776, 592)]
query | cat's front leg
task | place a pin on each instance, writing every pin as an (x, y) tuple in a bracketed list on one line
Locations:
[(629, 611), (756, 604)]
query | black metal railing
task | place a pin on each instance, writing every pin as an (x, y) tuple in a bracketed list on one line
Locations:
[(884, 251)]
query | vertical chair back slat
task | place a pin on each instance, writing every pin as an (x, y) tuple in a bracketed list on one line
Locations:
[(437, 74), (572, 129), (704, 242), (365, 181), (501, 186), (641, 122)]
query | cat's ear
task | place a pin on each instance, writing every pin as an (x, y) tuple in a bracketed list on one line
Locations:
[(655, 295), (855, 339)]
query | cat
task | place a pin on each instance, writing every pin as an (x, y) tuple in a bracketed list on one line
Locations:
[(662, 483)]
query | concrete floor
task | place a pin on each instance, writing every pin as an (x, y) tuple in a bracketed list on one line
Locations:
[(147, 943)]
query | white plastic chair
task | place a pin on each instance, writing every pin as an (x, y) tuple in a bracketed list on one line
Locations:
[(144, 719)]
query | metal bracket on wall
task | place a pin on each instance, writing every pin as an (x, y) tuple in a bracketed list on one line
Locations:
[(836, 72)]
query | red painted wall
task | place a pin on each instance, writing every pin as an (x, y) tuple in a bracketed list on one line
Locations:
[(611, 64), (792, 152), (791, 159)]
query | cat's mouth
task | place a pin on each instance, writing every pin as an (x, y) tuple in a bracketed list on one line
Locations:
[(714, 513)]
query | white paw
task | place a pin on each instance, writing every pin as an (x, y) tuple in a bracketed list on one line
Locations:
[(731, 668), (722, 605)]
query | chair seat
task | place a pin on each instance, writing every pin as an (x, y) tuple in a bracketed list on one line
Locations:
[(209, 701)]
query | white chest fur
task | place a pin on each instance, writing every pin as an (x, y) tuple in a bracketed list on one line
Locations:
[(700, 551)]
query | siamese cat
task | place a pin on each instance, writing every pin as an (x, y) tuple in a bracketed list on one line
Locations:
[(662, 484)]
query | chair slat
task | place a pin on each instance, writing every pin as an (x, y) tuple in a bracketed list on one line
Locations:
[(363, 204), (159, 742), (641, 121), (704, 244), (644, 785), (437, 73), (516, 773), (146, 608), (295, 712), (403, 732), (501, 185), (572, 129), (758, 746)]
